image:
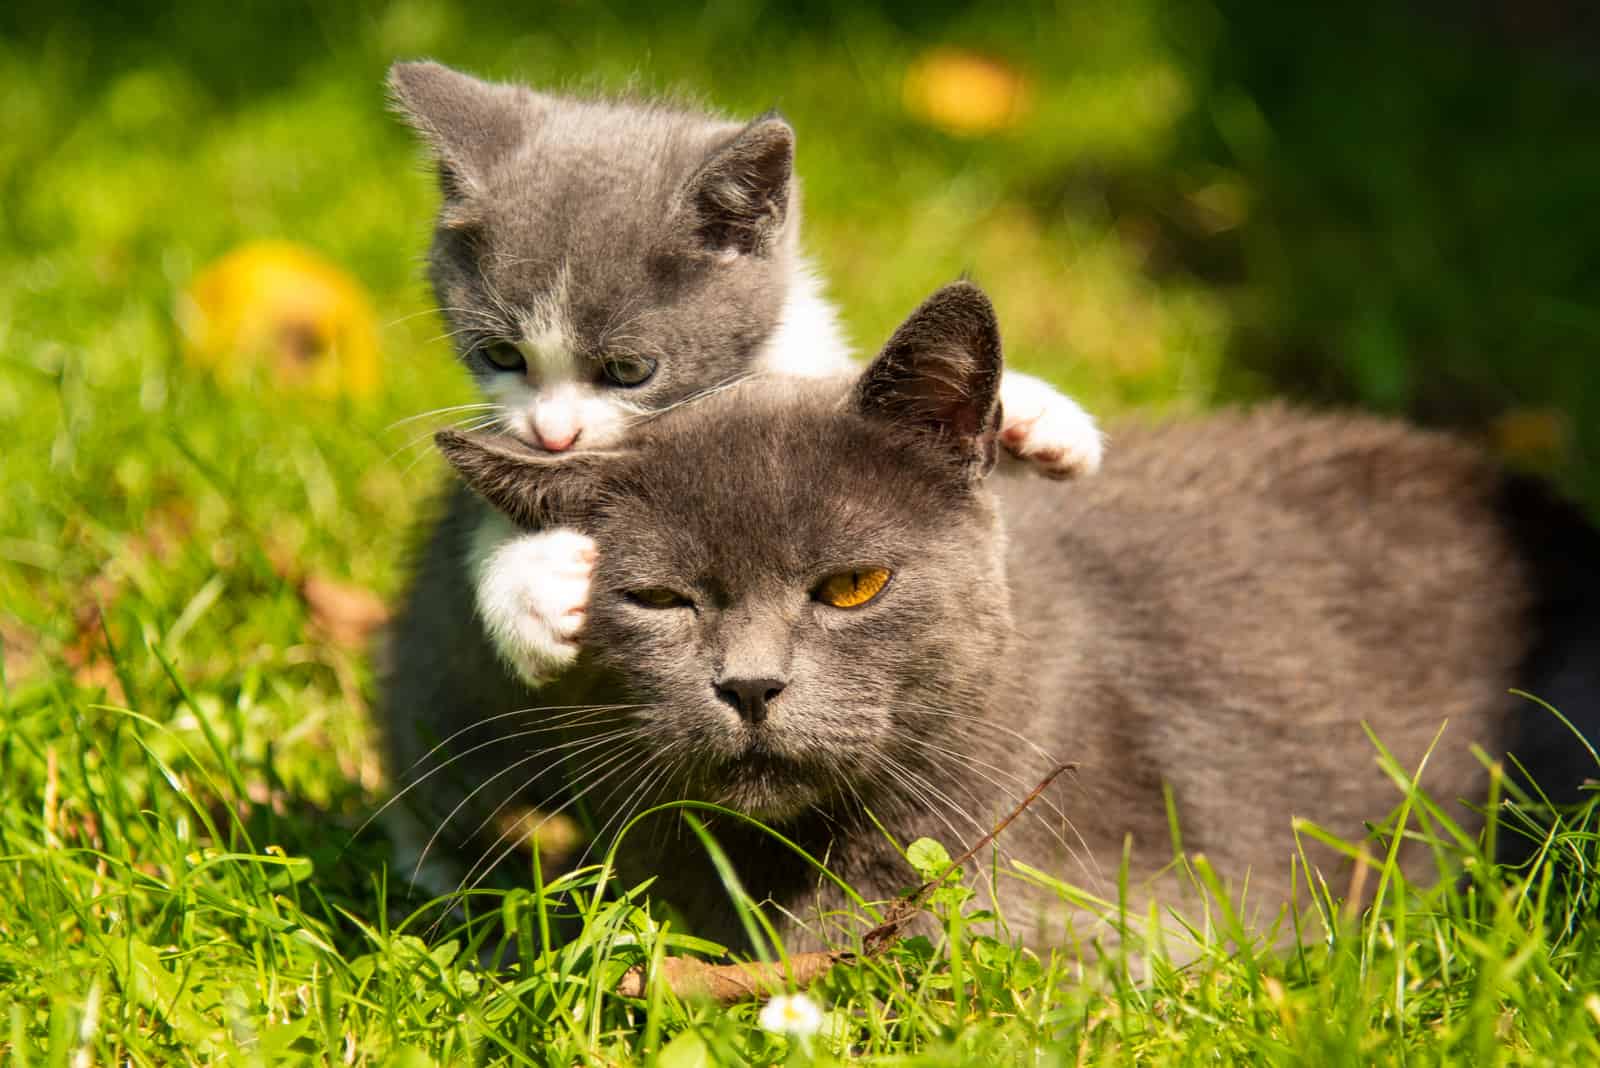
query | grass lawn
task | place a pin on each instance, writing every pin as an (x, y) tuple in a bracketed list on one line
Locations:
[(187, 560)]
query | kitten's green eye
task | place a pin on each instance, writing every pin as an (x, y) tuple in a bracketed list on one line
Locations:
[(504, 355), (852, 589), (628, 370), (659, 597)]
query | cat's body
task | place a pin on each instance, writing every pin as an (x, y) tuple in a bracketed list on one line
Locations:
[(601, 259), (1218, 612)]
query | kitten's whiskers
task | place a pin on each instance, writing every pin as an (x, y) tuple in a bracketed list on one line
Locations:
[(444, 411)]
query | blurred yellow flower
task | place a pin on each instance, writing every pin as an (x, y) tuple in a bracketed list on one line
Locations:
[(964, 93), (282, 305)]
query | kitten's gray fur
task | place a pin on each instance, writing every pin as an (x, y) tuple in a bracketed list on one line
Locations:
[(1218, 612), (651, 221)]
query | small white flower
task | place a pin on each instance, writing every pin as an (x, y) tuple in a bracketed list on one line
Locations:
[(791, 1014)]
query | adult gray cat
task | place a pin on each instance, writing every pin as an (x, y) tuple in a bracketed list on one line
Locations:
[(597, 260), (817, 602)]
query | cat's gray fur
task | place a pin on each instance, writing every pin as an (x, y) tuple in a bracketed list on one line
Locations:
[(1217, 613)]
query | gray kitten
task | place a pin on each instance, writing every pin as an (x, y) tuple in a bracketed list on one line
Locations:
[(597, 260), (816, 602)]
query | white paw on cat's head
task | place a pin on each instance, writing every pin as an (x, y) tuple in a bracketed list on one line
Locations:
[(532, 593), (1048, 430), (597, 258), (795, 628)]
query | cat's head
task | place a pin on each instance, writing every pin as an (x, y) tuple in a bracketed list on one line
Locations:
[(802, 583), (595, 259)]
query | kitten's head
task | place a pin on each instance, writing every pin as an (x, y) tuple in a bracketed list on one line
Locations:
[(596, 259), (803, 584)]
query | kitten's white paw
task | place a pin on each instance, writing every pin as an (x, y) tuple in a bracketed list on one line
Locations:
[(533, 596), (1046, 429)]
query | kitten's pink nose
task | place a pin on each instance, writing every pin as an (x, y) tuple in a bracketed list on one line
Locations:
[(560, 441)]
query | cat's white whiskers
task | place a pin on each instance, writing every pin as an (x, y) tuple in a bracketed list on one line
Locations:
[(1082, 855), (584, 745), (468, 317), (477, 335), (564, 713), (646, 415), (392, 323), (476, 314), (503, 740), (569, 712), (463, 754), (513, 315), (489, 860), (471, 322), (611, 762), (980, 729), (988, 725), (838, 793), (961, 762), (468, 424), (635, 802), (850, 785), (931, 798), (484, 424)]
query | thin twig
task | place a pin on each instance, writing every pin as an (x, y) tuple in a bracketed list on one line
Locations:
[(727, 983), (907, 906)]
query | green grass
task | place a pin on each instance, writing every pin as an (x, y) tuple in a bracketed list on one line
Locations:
[(185, 755), (166, 899)]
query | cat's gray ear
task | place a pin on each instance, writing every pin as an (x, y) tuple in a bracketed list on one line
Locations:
[(533, 489), (738, 201), (467, 124), (940, 375)]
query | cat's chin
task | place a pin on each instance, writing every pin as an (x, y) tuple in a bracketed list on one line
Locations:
[(774, 812), (773, 791)]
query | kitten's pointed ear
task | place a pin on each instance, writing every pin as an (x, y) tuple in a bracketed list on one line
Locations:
[(468, 124), (533, 489), (940, 376), (739, 199)]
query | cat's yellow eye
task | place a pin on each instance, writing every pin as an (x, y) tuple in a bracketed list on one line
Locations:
[(659, 597), (852, 589)]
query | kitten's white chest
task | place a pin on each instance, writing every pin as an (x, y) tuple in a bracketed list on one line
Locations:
[(807, 342)]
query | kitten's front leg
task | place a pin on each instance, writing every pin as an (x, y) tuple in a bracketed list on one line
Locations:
[(532, 595), (1047, 429)]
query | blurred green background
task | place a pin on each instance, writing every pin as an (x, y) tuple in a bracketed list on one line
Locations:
[(1180, 204), (1394, 204)]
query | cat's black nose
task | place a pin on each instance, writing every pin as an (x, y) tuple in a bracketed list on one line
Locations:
[(750, 696)]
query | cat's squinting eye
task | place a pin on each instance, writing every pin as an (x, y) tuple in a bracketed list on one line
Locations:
[(852, 589), (505, 356), (628, 370), (659, 597)]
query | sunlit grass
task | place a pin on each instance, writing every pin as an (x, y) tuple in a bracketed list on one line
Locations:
[(167, 899)]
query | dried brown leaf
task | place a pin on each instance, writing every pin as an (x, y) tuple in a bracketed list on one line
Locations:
[(346, 613)]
